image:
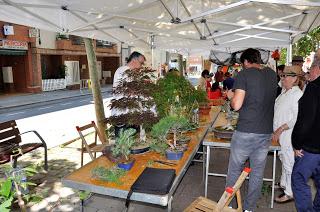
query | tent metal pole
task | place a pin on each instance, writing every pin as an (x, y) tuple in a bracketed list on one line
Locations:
[(215, 11), (289, 52), (255, 25), (8, 2)]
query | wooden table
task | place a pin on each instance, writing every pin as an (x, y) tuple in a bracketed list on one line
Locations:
[(81, 178), (211, 141)]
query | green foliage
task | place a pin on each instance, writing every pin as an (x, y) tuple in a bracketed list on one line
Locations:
[(108, 174), (84, 194), (124, 143), (171, 86), (159, 146), (8, 193), (165, 125), (308, 43)]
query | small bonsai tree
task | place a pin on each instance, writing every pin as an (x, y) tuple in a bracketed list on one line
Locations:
[(165, 125), (136, 101), (124, 144)]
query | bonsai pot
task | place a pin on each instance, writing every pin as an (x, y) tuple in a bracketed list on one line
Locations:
[(204, 110), (174, 154), (139, 150), (126, 165)]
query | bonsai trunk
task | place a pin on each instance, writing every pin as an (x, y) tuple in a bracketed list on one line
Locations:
[(142, 134), (175, 138), (97, 97)]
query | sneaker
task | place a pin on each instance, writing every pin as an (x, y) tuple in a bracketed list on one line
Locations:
[(246, 211)]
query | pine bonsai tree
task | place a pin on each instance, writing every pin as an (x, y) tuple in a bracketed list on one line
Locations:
[(135, 101)]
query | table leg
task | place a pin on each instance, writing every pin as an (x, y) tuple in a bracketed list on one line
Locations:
[(203, 163), (170, 204), (273, 176), (81, 205), (207, 171)]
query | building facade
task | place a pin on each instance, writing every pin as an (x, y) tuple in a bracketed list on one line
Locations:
[(32, 60)]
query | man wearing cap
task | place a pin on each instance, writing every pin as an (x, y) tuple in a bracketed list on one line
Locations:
[(306, 144), (285, 116), (255, 90)]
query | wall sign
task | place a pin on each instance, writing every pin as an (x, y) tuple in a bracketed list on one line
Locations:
[(13, 44)]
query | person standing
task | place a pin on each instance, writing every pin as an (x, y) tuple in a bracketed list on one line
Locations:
[(203, 81), (254, 95), (228, 82), (306, 144), (285, 116), (218, 77)]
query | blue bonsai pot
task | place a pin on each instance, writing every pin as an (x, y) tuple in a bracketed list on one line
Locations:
[(174, 155), (127, 165)]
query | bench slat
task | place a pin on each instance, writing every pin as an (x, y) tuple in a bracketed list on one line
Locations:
[(8, 124), (10, 133)]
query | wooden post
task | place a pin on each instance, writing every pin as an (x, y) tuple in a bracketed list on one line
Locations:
[(96, 91)]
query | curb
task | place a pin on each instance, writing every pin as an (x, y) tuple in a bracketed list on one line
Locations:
[(13, 108)]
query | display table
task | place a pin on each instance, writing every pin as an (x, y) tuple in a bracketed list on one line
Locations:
[(211, 142), (81, 178)]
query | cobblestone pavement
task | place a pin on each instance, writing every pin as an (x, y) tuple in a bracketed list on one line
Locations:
[(63, 160)]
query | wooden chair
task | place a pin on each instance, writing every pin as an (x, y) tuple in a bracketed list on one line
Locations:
[(91, 148), (10, 143), (202, 204)]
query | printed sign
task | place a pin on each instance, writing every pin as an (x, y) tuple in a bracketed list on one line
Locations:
[(13, 44)]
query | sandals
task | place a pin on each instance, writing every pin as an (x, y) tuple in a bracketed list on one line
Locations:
[(283, 198)]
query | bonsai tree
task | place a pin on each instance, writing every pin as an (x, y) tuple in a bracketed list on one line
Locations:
[(172, 86), (136, 102), (124, 144), (168, 124)]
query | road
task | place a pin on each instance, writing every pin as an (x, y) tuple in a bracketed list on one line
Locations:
[(56, 122)]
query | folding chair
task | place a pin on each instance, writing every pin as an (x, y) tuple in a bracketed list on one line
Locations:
[(91, 148), (202, 204)]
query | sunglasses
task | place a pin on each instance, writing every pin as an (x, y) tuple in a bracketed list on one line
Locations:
[(287, 75)]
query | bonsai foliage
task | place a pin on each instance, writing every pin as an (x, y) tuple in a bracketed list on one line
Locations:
[(135, 99), (171, 86), (169, 124), (123, 144), (108, 174)]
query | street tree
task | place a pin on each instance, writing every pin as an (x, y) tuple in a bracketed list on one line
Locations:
[(95, 85)]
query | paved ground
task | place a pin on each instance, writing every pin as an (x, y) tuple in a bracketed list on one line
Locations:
[(64, 160)]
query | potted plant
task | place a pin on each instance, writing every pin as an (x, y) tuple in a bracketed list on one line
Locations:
[(136, 102), (121, 149), (172, 86), (161, 130)]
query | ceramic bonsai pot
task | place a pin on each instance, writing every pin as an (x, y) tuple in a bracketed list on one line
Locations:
[(126, 165), (140, 150), (174, 155)]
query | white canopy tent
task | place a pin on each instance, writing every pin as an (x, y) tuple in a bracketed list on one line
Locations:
[(186, 26)]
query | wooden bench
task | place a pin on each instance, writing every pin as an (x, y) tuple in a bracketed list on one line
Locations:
[(10, 144)]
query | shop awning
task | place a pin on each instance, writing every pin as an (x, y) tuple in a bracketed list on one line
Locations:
[(12, 52), (181, 25)]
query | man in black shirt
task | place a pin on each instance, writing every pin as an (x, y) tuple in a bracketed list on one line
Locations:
[(306, 143), (254, 95)]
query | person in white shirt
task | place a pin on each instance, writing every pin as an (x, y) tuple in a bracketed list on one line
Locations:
[(285, 116), (135, 61)]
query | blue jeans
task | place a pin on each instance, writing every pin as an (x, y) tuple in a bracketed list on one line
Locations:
[(305, 167), (254, 147)]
